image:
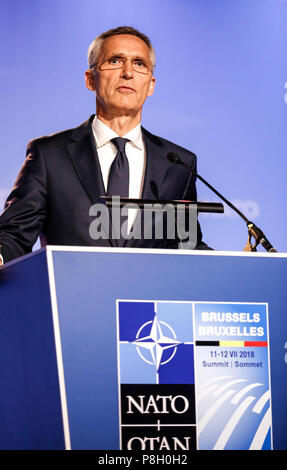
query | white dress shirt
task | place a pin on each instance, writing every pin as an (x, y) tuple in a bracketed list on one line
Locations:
[(136, 155)]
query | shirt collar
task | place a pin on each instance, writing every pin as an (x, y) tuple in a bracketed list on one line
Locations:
[(104, 134)]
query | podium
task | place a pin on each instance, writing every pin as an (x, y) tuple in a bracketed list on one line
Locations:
[(143, 350)]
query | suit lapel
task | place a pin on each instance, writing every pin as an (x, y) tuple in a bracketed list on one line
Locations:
[(84, 156), (83, 153), (156, 166), (163, 179)]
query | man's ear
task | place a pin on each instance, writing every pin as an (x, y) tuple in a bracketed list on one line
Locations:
[(89, 79), (151, 86)]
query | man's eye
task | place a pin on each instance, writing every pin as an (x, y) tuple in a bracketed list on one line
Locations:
[(139, 63), (114, 60)]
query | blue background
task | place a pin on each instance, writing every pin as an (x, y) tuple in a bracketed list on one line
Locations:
[(221, 91)]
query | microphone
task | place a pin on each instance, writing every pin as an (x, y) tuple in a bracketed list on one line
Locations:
[(253, 230)]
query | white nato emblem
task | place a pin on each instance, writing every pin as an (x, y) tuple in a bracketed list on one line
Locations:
[(152, 346)]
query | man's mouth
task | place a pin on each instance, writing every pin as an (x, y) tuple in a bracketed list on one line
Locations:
[(126, 89)]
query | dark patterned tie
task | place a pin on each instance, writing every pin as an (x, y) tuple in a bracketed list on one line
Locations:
[(118, 185)]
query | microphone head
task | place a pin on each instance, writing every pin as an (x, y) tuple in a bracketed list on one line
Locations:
[(173, 157)]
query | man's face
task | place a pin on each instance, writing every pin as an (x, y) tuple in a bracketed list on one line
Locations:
[(121, 91)]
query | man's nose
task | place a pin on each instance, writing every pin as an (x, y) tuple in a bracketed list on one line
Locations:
[(127, 69)]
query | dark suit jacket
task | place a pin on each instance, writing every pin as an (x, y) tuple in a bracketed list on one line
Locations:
[(61, 179)]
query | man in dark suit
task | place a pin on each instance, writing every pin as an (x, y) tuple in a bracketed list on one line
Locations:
[(67, 173)]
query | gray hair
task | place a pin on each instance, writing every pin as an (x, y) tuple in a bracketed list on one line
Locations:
[(96, 44)]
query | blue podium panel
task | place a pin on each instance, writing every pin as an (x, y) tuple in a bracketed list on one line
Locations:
[(172, 350), (143, 350), (31, 415)]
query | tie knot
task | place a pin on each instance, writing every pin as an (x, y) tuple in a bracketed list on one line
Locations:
[(120, 143)]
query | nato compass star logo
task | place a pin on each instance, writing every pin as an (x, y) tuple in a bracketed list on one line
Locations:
[(155, 342), (153, 339)]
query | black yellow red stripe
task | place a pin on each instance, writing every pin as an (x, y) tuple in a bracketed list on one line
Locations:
[(233, 344)]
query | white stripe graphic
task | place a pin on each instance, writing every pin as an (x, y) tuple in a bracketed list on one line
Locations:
[(206, 392), (214, 380), (261, 402), (212, 410), (227, 385), (229, 428), (59, 354), (261, 432), (235, 400)]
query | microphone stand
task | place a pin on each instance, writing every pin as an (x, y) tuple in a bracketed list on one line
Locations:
[(253, 230)]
